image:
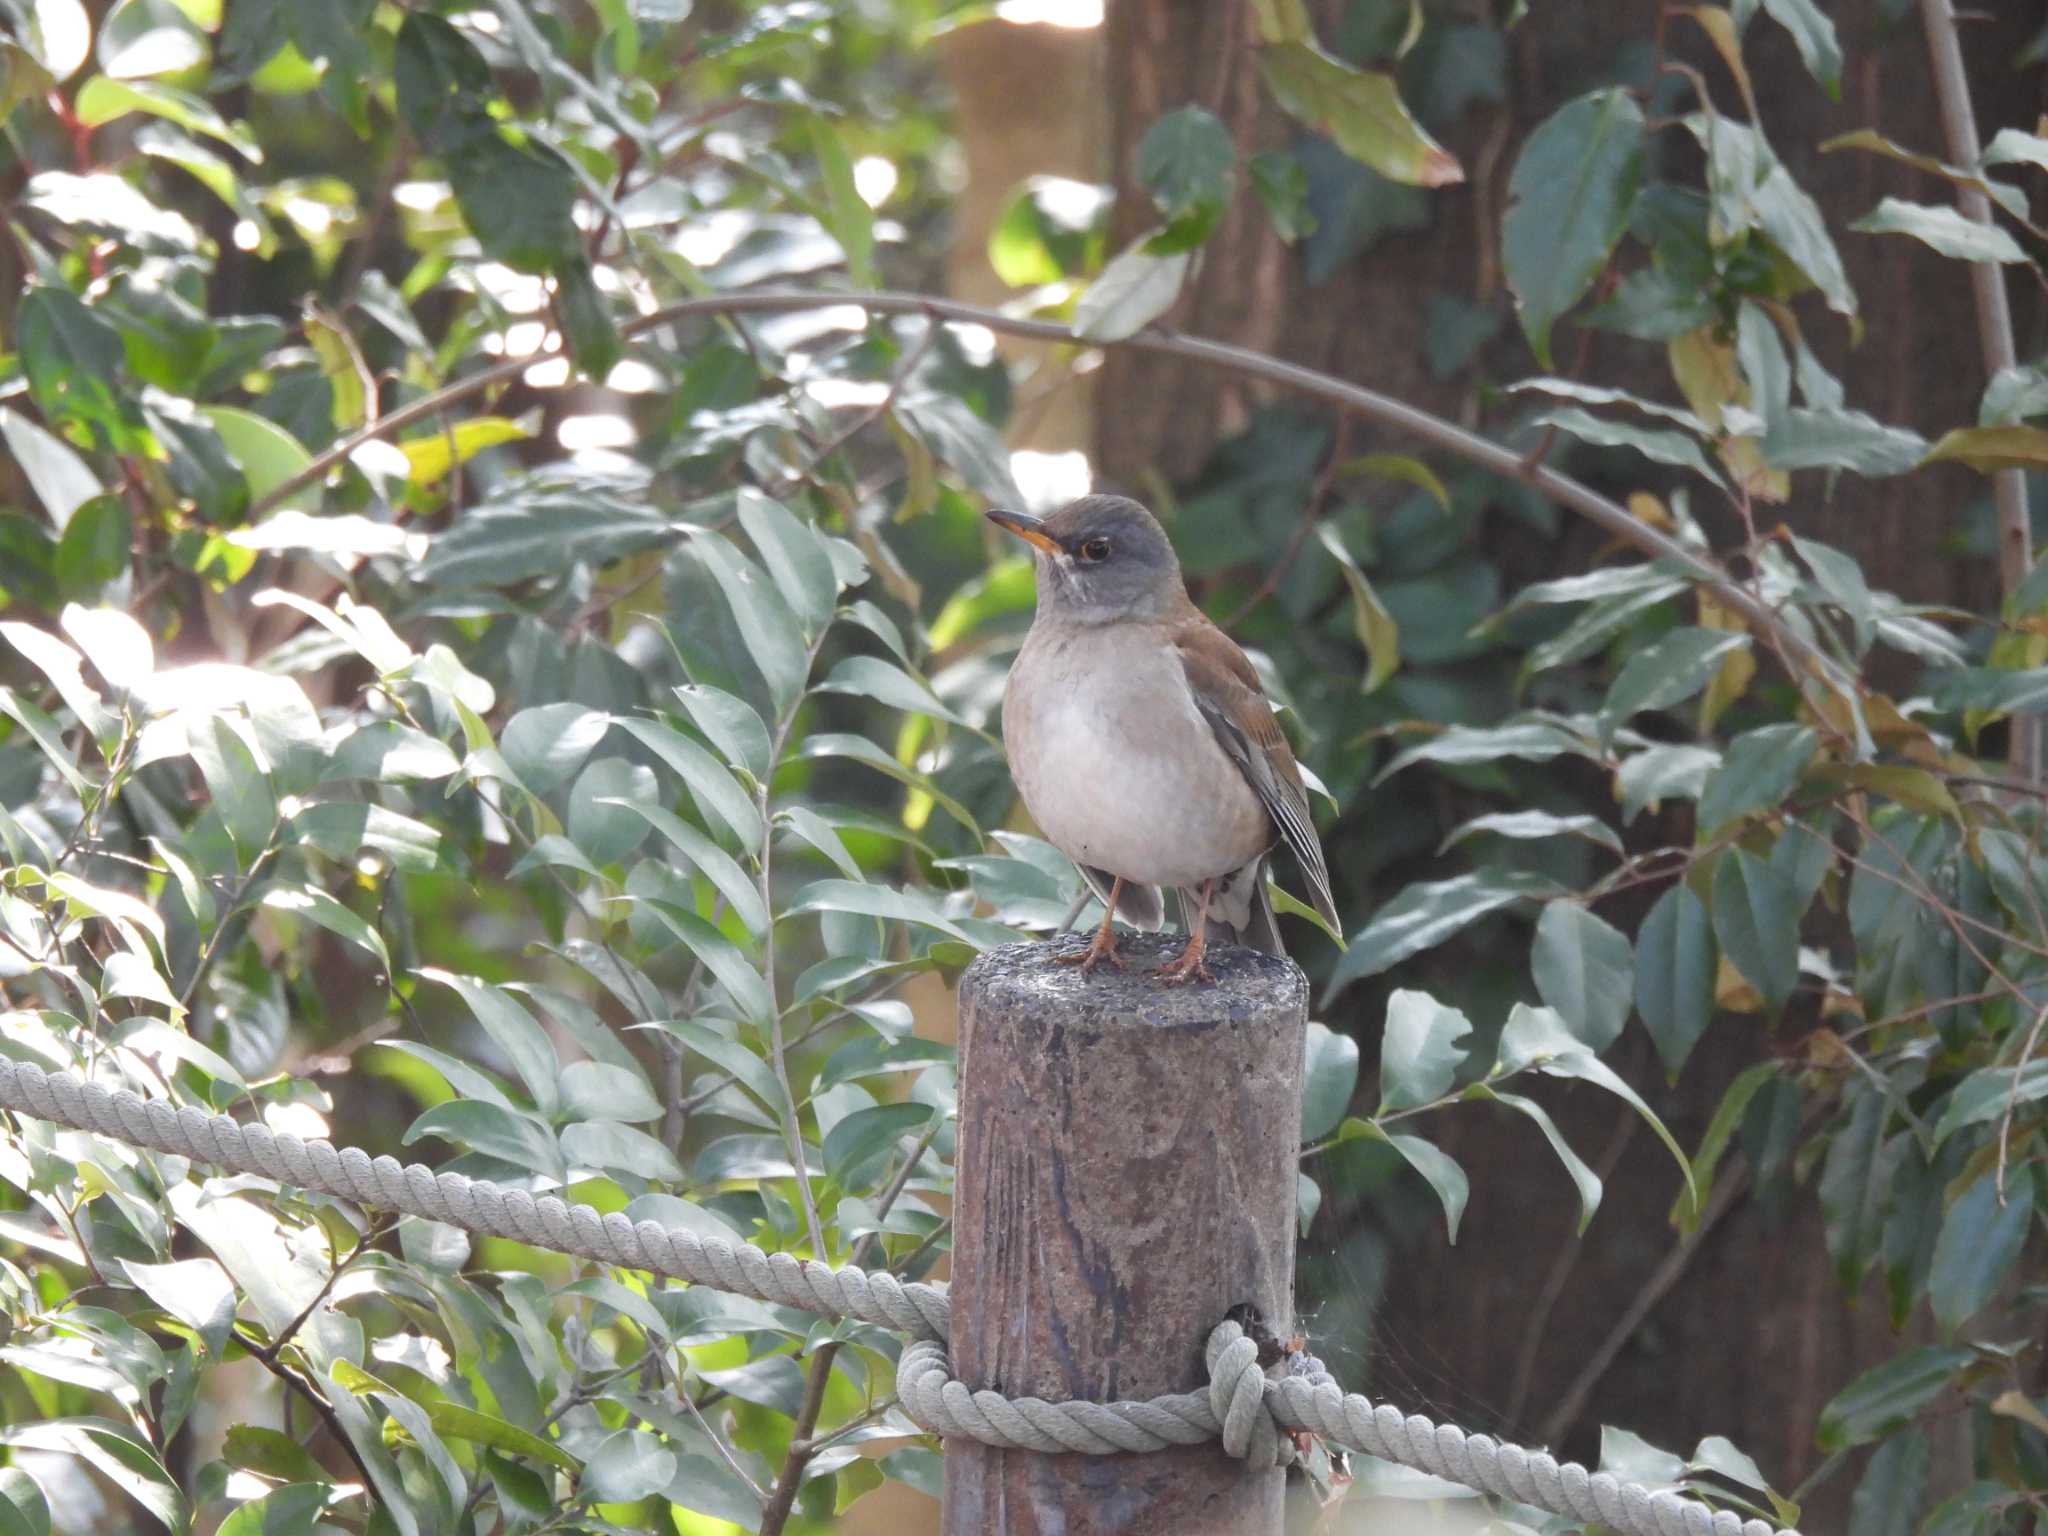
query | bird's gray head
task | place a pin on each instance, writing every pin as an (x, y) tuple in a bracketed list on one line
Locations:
[(1100, 559)]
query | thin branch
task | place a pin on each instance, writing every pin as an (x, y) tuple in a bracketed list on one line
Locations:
[(2012, 1096), (778, 1050), (1311, 514), (1994, 321), (1433, 431), (775, 1515), (1572, 1403)]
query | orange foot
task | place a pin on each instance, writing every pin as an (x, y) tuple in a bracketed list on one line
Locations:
[(1186, 967), (1101, 947)]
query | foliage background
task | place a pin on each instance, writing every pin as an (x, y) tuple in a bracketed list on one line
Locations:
[(588, 776)]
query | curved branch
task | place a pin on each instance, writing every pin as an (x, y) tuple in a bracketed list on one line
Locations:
[(1604, 513)]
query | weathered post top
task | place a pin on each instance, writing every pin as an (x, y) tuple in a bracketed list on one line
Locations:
[(1126, 1177)]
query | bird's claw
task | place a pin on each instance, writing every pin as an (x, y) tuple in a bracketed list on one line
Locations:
[(1096, 952), (1188, 967)]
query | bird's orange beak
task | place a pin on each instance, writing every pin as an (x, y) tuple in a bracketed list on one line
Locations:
[(1028, 528)]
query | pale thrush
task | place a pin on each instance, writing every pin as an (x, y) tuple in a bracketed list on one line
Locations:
[(1141, 743)]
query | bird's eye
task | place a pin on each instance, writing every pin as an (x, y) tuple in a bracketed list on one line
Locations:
[(1094, 550)]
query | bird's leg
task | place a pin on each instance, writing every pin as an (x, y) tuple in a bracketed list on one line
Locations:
[(1103, 945), (1188, 964)]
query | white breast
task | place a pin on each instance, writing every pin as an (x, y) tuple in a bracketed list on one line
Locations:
[(1118, 767)]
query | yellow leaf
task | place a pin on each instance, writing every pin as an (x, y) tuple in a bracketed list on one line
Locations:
[(429, 458), (1720, 29), (2014, 1404), (1737, 669), (1707, 375), (1733, 993), (1990, 449), (1914, 788), (1645, 508)]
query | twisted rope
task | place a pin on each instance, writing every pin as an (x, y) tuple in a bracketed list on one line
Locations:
[(1242, 1406), (476, 1205)]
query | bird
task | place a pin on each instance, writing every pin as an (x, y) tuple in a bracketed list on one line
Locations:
[(1141, 743)]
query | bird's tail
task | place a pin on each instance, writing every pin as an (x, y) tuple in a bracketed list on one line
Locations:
[(1254, 927)]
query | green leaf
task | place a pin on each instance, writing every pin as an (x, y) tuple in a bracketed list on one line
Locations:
[(1425, 915), (1980, 1241), (1528, 740), (1762, 767), (285, 1511), (851, 221), (886, 683), (1186, 161), (102, 100), (1673, 448), (1583, 1178), (730, 724), (1979, 1510), (516, 1032), (1533, 825), (1834, 438), (713, 862), (861, 750), (858, 1149), (878, 901), (1945, 228), (1377, 631), (720, 956), (1420, 1051), (1540, 1038), (1819, 49), (1672, 670), (1439, 1168), (1569, 200), (795, 556), (58, 476), (1984, 1094), (626, 1467), (726, 1053), (1358, 110), (604, 806), (75, 365), (1675, 970), (712, 787), (1282, 187), (770, 630), (1886, 1397), (1134, 290), (505, 1134), (96, 548), (1756, 918), (1854, 1186), (1329, 1078), (1585, 969), (116, 1454), (546, 745), (269, 455), (613, 1147), (316, 906), (1750, 189)]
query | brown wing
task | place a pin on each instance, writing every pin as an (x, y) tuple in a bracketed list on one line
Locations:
[(1226, 690)]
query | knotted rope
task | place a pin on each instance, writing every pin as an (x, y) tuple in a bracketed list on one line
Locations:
[(1243, 1407)]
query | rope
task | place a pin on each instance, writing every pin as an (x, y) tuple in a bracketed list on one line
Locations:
[(1242, 1406)]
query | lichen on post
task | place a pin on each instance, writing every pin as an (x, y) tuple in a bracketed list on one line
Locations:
[(1126, 1177)]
